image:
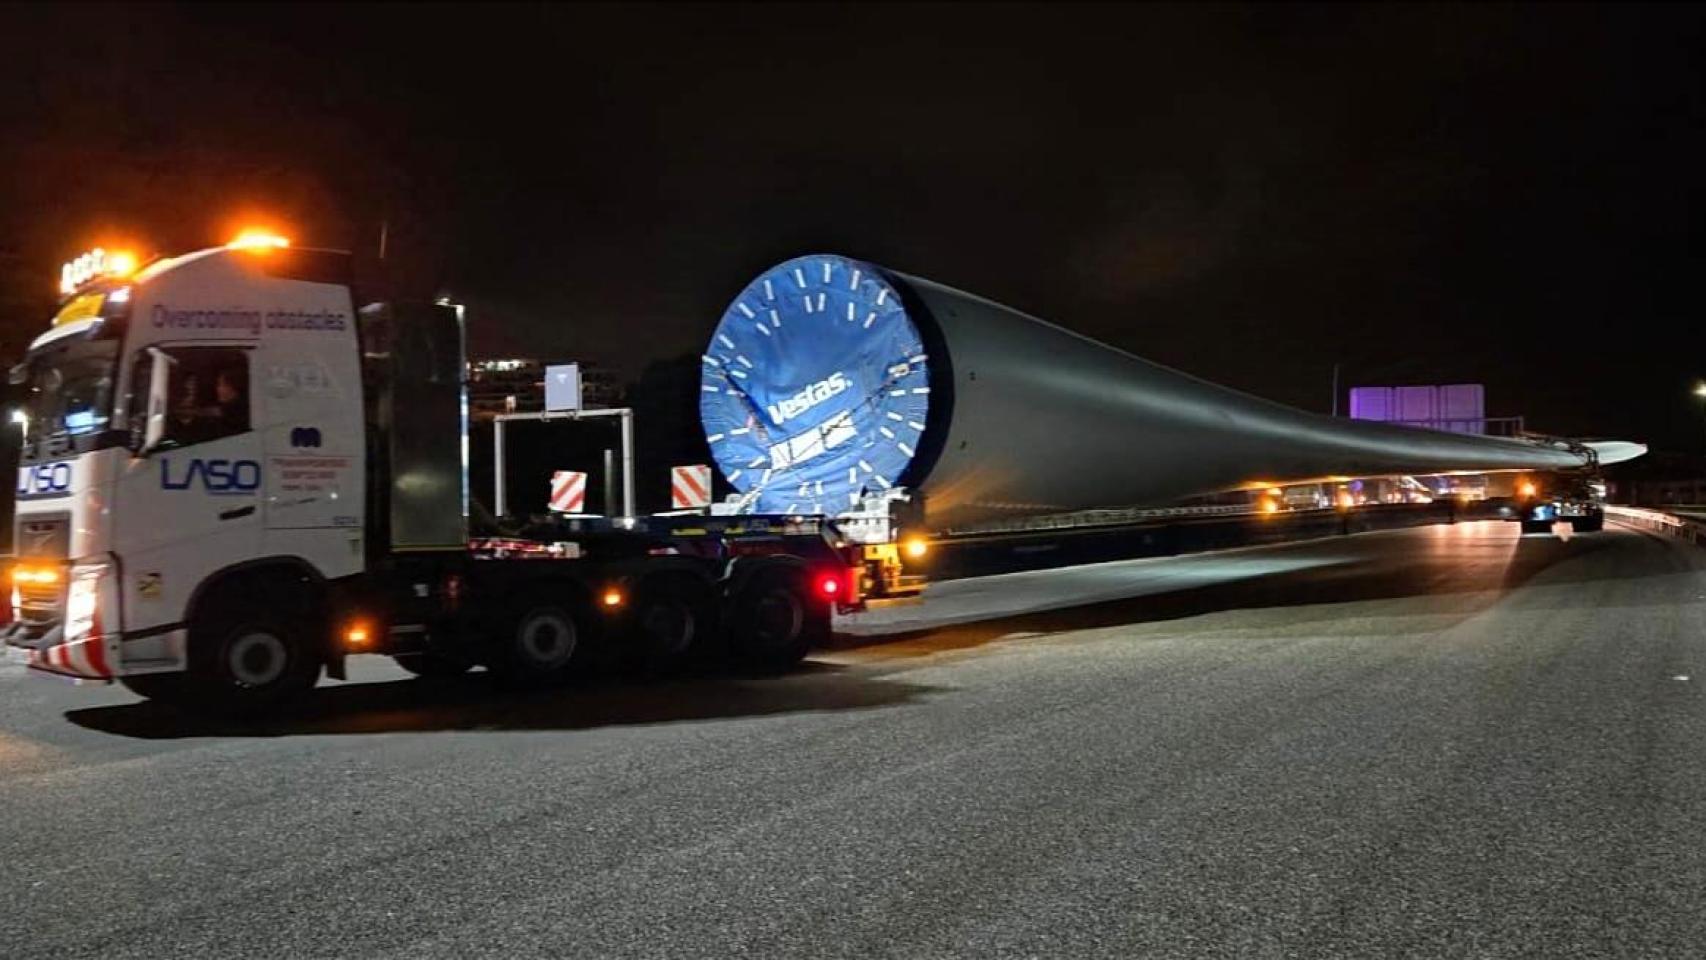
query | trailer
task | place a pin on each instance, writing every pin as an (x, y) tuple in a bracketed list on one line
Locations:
[(232, 479)]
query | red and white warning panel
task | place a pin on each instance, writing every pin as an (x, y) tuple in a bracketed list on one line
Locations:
[(690, 487), (568, 491)]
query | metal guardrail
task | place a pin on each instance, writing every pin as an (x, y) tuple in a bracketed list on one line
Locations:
[(1656, 521)]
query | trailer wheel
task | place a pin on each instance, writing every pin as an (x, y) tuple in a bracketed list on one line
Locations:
[(674, 617), (542, 645), (427, 664), (774, 621), (249, 664)]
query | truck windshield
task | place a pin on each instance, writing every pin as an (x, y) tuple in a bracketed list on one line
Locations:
[(68, 389)]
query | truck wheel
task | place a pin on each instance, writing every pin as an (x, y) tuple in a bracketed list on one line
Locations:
[(1588, 524), (543, 645), (673, 618), (774, 621), (248, 664), (1536, 526), (427, 664)]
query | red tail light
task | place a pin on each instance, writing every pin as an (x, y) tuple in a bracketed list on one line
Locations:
[(828, 586)]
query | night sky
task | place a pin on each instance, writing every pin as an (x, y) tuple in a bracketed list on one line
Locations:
[(1511, 195)]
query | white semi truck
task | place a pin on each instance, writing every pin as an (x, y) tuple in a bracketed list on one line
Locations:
[(232, 478)]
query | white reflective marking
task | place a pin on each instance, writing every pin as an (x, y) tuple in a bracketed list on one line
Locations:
[(734, 476), (895, 416), (852, 474), (885, 484), (1680, 676), (775, 321), (708, 388), (804, 486), (826, 271), (738, 373), (713, 361), (905, 449), (790, 508), (756, 462), (918, 359), (725, 341), (853, 497), (885, 431), (769, 291), (732, 392), (870, 318), (854, 285), (808, 303), (897, 393), (764, 477), (762, 328), (866, 467), (820, 488), (743, 361), (920, 389), (740, 431), (820, 299), (800, 277), (745, 309), (714, 438), (849, 310), (914, 424), (882, 295)]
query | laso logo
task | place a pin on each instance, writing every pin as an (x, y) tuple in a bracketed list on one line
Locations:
[(790, 407), (44, 479), (214, 476)]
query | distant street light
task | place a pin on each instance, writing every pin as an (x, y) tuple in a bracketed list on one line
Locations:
[(1700, 389)]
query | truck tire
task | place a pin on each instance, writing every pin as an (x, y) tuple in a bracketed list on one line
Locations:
[(429, 664), (544, 644), (1589, 524), (774, 621), (247, 661), (1536, 526), (673, 621)]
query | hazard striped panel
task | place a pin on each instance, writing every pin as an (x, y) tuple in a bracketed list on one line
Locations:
[(568, 491), (690, 487)]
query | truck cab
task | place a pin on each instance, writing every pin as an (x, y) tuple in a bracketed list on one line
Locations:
[(196, 420)]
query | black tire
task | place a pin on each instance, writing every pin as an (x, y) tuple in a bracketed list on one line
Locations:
[(1592, 524), (246, 661), (673, 623), (545, 643), (428, 664), (1536, 526), (774, 621), (160, 687)]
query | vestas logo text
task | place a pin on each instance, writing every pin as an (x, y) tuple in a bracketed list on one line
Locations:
[(790, 407), (44, 479), (215, 476)]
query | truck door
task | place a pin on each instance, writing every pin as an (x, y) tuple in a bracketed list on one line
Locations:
[(190, 505)]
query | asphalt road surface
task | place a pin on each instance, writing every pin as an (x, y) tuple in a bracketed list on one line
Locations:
[(1448, 741)]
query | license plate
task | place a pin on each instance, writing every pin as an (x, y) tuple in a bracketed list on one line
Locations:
[(1571, 512)]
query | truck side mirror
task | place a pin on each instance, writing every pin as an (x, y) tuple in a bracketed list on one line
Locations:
[(154, 413)]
